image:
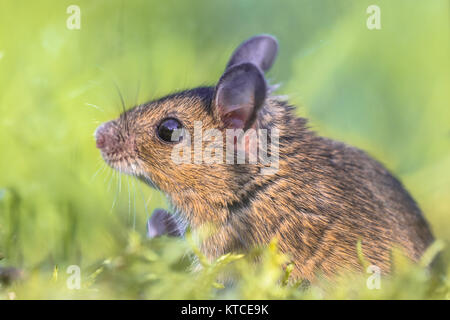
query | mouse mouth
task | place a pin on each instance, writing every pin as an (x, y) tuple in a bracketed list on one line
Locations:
[(120, 162)]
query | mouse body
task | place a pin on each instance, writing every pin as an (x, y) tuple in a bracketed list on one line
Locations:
[(322, 197)]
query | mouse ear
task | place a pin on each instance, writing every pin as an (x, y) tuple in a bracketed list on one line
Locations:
[(260, 50), (239, 95)]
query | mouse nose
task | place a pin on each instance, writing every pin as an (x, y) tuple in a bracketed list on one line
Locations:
[(104, 136), (100, 141)]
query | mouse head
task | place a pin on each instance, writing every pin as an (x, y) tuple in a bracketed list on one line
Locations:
[(178, 144)]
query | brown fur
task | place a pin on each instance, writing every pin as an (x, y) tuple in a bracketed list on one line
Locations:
[(325, 196)]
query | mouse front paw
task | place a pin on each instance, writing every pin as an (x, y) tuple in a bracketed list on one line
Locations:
[(162, 223)]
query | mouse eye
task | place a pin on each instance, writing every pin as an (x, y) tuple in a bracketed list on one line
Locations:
[(167, 128)]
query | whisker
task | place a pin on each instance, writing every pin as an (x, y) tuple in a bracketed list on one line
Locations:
[(102, 168), (134, 205), (123, 105), (115, 197), (110, 180), (120, 181), (136, 98), (143, 199), (149, 199), (94, 106), (120, 96), (109, 172), (129, 198), (119, 92)]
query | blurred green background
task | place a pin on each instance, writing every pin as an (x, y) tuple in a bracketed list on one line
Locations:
[(386, 91)]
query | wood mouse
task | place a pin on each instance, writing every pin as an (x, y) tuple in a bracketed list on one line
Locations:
[(324, 197)]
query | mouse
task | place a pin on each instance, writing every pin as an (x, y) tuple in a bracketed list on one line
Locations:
[(317, 197)]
